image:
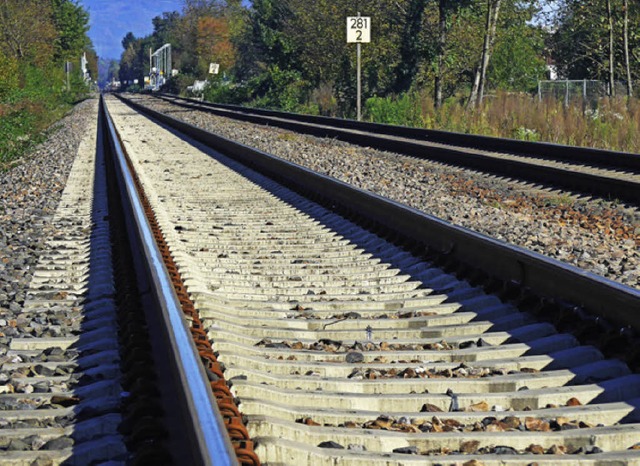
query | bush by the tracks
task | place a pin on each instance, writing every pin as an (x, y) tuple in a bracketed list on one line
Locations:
[(29, 104), (38, 42), (178, 84), (611, 123), (401, 110), (226, 93), (275, 88)]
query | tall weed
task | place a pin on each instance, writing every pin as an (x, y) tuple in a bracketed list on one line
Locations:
[(612, 124)]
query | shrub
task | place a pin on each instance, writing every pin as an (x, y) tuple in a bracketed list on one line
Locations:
[(30, 103), (613, 124), (19, 131), (395, 110), (324, 100), (225, 92), (281, 89), (8, 75), (178, 84)]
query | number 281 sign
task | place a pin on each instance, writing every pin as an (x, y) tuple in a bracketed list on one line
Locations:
[(358, 29)]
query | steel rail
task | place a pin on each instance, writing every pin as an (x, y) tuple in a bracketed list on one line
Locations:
[(211, 440), (544, 276), (419, 143)]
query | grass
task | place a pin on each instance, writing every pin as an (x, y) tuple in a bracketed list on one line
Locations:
[(289, 137), (25, 127), (614, 124), (495, 204), (563, 200), (21, 131)]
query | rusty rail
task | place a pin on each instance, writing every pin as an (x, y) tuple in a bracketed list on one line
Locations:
[(217, 429)]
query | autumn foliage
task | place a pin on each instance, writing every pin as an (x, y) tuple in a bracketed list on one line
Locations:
[(37, 37), (214, 43)]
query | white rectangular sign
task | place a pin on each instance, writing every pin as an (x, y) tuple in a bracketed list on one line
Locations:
[(214, 68), (358, 29)]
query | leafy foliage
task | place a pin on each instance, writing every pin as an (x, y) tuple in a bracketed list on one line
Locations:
[(416, 43), (283, 89), (580, 46), (399, 110), (36, 39), (72, 24), (214, 44)]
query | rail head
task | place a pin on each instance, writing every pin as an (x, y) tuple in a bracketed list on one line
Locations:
[(544, 276), (207, 425)]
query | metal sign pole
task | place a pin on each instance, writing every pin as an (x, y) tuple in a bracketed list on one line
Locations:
[(358, 31), (359, 81)]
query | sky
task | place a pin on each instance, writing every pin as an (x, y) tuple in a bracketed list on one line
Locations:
[(110, 20)]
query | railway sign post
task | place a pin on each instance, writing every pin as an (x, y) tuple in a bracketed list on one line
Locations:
[(358, 32)]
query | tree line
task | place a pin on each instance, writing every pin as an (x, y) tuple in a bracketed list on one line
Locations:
[(37, 38), (293, 54)]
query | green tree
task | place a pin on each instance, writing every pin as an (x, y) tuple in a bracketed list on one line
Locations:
[(518, 63), (165, 29), (589, 42), (92, 63), (134, 63), (27, 30), (518, 57), (267, 34), (36, 36), (442, 57), (580, 42), (455, 28), (72, 23), (128, 40), (479, 81), (411, 46)]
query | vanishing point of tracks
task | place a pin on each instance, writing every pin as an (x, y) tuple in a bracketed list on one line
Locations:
[(344, 328)]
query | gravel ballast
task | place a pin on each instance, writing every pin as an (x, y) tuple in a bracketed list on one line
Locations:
[(29, 194), (579, 232), (593, 234)]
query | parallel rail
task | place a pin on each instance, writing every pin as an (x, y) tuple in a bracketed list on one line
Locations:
[(542, 275), (329, 331), (303, 390), (481, 153), (210, 442)]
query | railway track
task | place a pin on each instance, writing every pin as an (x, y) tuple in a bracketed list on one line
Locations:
[(345, 328), (599, 173), (79, 380), (44, 374), (341, 345)]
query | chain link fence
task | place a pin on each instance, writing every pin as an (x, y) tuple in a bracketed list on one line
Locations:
[(586, 90)]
